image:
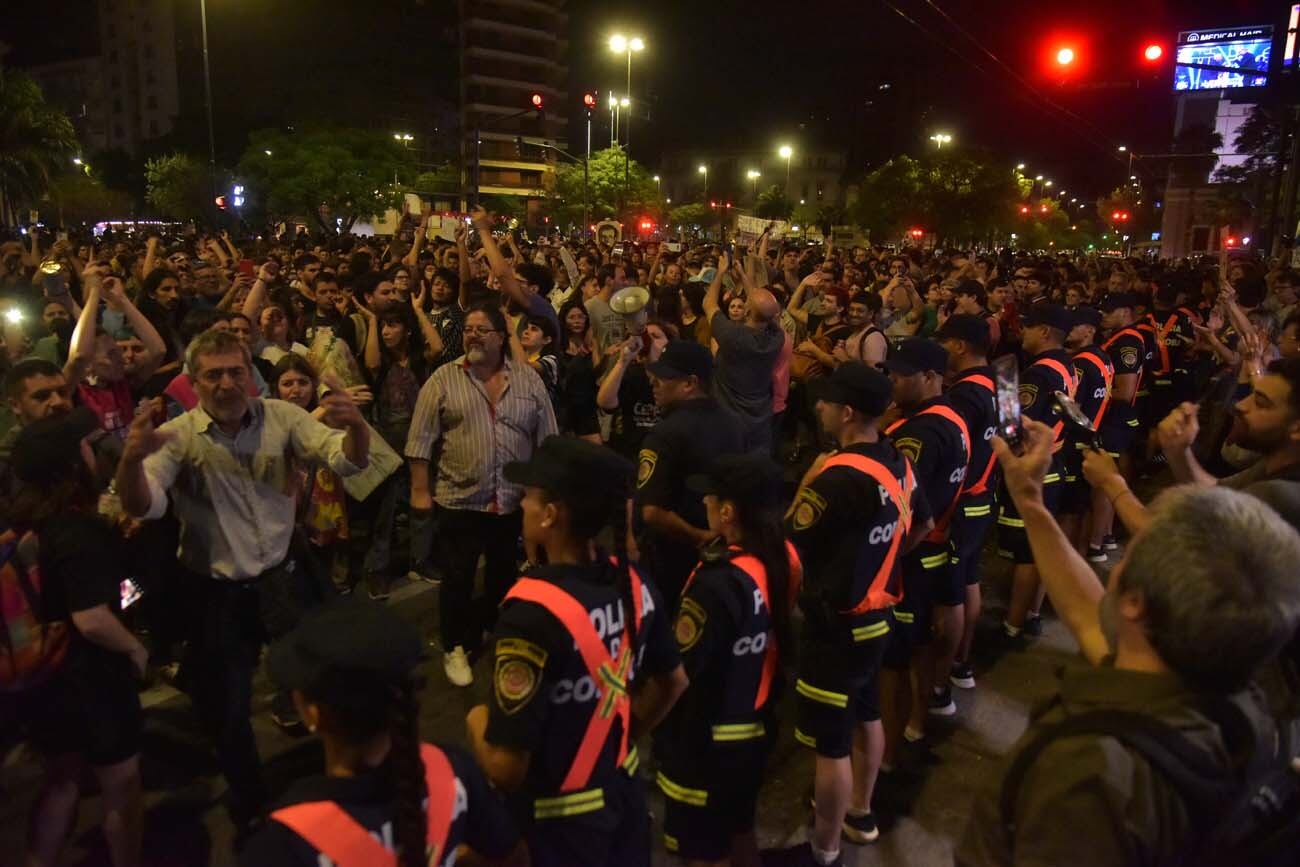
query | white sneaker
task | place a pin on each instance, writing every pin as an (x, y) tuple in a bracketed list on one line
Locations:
[(456, 665)]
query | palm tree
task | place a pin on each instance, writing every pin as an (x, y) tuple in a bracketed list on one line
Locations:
[(36, 141)]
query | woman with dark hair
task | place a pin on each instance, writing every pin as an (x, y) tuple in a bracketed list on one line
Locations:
[(537, 343), (73, 691), (579, 359), (574, 639), (733, 626), (694, 324), (351, 666)]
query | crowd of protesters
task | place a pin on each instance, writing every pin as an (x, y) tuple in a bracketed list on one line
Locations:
[(209, 444)]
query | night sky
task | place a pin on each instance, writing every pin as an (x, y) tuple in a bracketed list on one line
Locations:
[(723, 73)]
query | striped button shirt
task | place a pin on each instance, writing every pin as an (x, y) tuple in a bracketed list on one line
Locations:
[(469, 441)]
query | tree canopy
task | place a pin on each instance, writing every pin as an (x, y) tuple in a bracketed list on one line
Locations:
[(178, 186), (324, 174), (606, 188), (37, 142)]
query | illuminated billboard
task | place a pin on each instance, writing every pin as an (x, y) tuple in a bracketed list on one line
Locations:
[(1224, 59)]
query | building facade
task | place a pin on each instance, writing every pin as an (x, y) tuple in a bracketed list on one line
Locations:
[(510, 50)]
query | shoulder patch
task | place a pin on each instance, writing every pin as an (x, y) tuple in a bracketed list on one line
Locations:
[(522, 649), (1129, 356), (808, 510), (515, 682), (1028, 394), (645, 466), (690, 624), (910, 446)]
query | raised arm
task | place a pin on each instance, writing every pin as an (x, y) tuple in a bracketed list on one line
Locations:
[(412, 256), (235, 254), (711, 305), (462, 264), (154, 345), (81, 349), (570, 265), (497, 262), (150, 255), (432, 338), (607, 394)]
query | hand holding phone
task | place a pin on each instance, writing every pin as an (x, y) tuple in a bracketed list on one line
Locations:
[(1006, 373)]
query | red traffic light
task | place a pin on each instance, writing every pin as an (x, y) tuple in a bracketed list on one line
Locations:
[(1064, 55), (220, 201), (1123, 215), (1115, 215), (1042, 209), (916, 233), (646, 225), (537, 100), (1153, 52), (1230, 242), (1024, 209), (713, 204), (588, 99)]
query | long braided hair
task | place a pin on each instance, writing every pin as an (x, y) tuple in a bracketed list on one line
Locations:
[(764, 536), (350, 706)]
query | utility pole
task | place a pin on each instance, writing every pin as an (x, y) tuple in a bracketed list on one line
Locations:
[(207, 93)]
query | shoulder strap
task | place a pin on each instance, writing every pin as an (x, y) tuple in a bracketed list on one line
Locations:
[(979, 379), (757, 573), (1062, 371), (440, 781), (1107, 372), (1202, 785), (330, 830)]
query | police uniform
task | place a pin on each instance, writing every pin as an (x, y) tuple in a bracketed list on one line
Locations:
[(690, 435), (973, 395), (1094, 373), (713, 746), (849, 524), (1126, 349), (935, 440), (1170, 375), (348, 821), (1048, 373)]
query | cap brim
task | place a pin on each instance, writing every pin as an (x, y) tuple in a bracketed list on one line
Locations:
[(663, 370), (898, 365), (831, 392)]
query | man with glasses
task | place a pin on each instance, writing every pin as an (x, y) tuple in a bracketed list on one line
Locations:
[(477, 414), (225, 465)]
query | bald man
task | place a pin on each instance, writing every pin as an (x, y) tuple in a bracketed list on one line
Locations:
[(747, 352)]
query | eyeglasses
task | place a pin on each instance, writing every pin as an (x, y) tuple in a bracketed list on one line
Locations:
[(477, 330)]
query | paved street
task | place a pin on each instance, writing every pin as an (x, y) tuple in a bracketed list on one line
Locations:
[(922, 811)]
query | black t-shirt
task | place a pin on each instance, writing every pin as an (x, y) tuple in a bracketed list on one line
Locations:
[(1093, 387), (843, 524), (543, 695), (479, 818), (1039, 382), (637, 411), (978, 407), (83, 564), (1127, 351)]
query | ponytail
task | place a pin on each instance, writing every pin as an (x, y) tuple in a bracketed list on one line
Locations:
[(410, 820), (764, 537)]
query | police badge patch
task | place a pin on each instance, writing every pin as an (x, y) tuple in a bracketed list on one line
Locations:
[(1028, 394), (809, 509), (646, 466), (690, 624), (518, 673), (910, 446), (1129, 357)]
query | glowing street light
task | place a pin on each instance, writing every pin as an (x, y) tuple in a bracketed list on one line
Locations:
[(785, 152), (704, 170), (267, 152), (1020, 167), (1065, 56), (753, 175), (940, 139), (76, 161)]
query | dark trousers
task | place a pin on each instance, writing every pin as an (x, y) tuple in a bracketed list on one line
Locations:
[(463, 536), (225, 638)]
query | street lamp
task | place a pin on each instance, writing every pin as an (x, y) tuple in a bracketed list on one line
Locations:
[(619, 44), (785, 152), (704, 170), (267, 152), (753, 175), (940, 139), (76, 161), (1020, 167), (656, 182)]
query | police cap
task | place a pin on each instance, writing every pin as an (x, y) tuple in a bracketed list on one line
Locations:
[(570, 468), (917, 355), (1086, 316), (856, 385), (966, 327), (683, 358), (1051, 315), (1116, 300)]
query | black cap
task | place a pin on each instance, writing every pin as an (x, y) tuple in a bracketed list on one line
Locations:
[(855, 384), (342, 641), (917, 355), (569, 467), (965, 326), (1086, 316), (47, 449), (683, 358), (753, 479), (1116, 300), (1051, 315)]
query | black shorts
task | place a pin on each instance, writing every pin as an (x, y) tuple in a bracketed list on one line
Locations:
[(970, 526), (616, 835), (1013, 544), (707, 804), (90, 708), (837, 689), (1118, 438), (1076, 493), (927, 582)]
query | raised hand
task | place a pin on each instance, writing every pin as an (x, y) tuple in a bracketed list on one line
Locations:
[(339, 408), (143, 439)]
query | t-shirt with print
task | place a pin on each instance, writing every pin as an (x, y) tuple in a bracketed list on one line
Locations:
[(112, 404)]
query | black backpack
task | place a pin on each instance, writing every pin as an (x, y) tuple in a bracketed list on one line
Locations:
[(1248, 815)]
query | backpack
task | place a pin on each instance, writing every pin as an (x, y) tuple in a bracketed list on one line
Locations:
[(1248, 815), (31, 650)]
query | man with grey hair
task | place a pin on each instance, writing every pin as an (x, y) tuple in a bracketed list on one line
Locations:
[(1205, 596), (226, 467)]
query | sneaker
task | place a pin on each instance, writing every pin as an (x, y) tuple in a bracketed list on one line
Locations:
[(377, 588), (796, 856), (1096, 554), (963, 675), (427, 574), (456, 664), (941, 703), (912, 736), (1034, 625), (861, 829), (1110, 544)]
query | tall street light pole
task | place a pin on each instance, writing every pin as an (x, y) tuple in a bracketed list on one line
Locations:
[(207, 93), (786, 152), (704, 170), (619, 44)]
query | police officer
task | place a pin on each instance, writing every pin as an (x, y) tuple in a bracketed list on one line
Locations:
[(1171, 381), (731, 629), (572, 639), (1126, 348), (1048, 371), (934, 437), (857, 511), (1095, 374), (693, 430), (973, 394), (351, 665)]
